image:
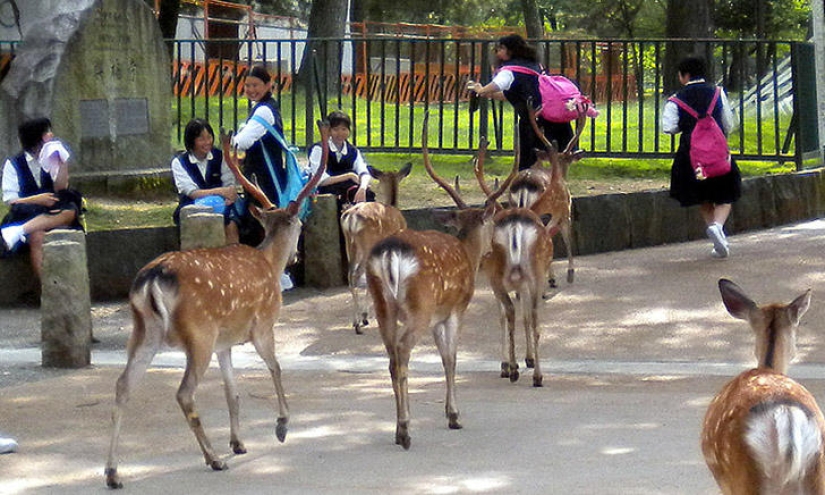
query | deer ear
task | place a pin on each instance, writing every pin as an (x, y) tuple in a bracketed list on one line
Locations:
[(374, 172), (738, 304), (405, 170), (798, 307), (256, 212), (448, 218), (578, 155)]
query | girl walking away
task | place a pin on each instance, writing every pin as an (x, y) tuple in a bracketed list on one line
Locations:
[(522, 91), (714, 195)]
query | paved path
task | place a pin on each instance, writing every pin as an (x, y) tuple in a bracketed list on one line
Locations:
[(633, 352)]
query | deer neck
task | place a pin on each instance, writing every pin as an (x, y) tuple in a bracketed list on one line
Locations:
[(279, 247), (476, 242), (776, 355)]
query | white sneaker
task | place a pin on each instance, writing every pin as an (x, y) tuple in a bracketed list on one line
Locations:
[(720, 243), (286, 282), (12, 235), (7, 445)]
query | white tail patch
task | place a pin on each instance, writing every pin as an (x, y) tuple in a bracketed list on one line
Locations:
[(785, 442), (517, 239), (525, 198), (394, 269), (351, 222)]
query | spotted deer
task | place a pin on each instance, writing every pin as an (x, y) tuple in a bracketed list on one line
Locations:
[(763, 432), (522, 252), (205, 301), (424, 280), (366, 223), (545, 191)]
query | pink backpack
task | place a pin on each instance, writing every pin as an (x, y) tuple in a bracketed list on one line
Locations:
[(561, 100), (709, 152)]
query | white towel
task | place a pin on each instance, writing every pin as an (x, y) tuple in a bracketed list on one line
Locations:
[(52, 155)]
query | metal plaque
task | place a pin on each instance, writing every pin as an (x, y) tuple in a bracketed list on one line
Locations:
[(131, 116), (94, 118)]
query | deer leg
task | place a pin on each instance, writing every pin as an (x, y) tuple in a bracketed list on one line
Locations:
[(526, 316), (551, 276), (230, 389), (141, 350), (359, 319), (387, 315), (566, 234), (530, 308), (197, 361), (446, 339), (263, 338), (507, 319)]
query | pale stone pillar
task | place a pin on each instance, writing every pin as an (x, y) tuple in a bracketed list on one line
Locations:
[(201, 230), (65, 306)]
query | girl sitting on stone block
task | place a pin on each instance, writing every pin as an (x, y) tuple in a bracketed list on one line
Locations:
[(36, 186)]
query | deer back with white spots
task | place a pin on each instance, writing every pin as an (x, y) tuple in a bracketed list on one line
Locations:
[(763, 432), (205, 301)]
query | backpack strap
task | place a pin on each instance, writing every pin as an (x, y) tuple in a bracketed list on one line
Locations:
[(520, 69), (713, 101), (684, 106)]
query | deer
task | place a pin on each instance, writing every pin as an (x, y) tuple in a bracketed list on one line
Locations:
[(424, 280), (545, 191), (763, 432), (364, 224), (205, 301), (522, 252)]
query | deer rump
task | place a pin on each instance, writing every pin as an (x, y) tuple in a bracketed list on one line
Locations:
[(514, 240), (182, 286), (781, 434)]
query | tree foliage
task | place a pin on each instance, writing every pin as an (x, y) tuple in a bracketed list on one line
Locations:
[(766, 19)]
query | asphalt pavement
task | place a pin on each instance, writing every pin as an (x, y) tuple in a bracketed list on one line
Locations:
[(632, 353)]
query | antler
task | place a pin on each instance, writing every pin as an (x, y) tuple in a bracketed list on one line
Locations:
[(513, 173), (574, 141), (478, 167), (231, 158), (427, 165), (295, 204), (534, 123)]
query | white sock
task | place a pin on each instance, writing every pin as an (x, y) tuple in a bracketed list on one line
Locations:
[(12, 235), (286, 282)]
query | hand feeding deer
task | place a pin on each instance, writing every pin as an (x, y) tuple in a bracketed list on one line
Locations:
[(205, 301), (366, 223), (763, 432), (522, 251), (545, 191), (425, 280)]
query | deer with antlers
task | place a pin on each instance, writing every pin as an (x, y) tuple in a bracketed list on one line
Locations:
[(522, 252), (763, 432), (366, 223), (545, 191), (205, 301), (425, 280)]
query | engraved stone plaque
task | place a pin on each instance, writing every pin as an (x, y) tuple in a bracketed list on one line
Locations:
[(131, 116), (94, 118)]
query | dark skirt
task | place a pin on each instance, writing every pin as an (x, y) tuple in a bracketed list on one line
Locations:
[(689, 191), (67, 199)]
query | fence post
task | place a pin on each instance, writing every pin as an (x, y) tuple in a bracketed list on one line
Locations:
[(323, 263), (65, 307)]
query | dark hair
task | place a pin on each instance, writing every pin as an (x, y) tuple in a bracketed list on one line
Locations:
[(194, 129), (337, 118), (260, 72), (694, 66), (31, 132), (518, 48)]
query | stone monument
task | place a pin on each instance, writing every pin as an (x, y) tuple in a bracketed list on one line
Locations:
[(100, 71)]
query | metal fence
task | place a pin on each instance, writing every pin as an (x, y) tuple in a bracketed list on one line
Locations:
[(386, 84)]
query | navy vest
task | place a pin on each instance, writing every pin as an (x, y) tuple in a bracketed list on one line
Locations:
[(525, 87), (25, 179), (255, 162), (345, 165), (213, 173)]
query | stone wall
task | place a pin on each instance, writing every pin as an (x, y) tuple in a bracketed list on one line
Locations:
[(610, 222)]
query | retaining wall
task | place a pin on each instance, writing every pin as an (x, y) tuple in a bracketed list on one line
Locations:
[(603, 223)]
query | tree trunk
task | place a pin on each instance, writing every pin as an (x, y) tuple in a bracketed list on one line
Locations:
[(686, 21), (321, 64), (168, 22), (533, 23)]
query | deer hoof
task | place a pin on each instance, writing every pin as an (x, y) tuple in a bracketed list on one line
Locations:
[(364, 321), (571, 274), (237, 447), (358, 330), (514, 376), (218, 465), (280, 430), (113, 480), (530, 362), (552, 283), (537, 381), (453, 421), (402, 438)]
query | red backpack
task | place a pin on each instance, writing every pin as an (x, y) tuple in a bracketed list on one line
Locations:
[(561, 100), (709, 152)]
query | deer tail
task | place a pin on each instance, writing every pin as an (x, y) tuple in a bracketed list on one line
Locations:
[(154, 295), (784, 439), (393, 262)]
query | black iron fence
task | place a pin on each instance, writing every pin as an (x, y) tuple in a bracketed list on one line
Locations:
[(386, 85)]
